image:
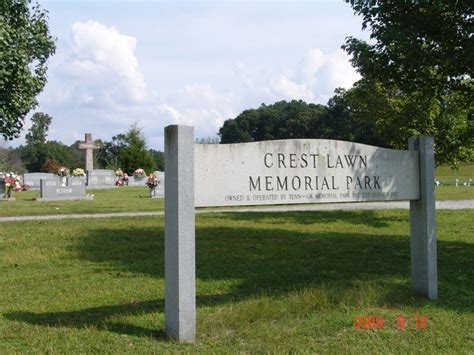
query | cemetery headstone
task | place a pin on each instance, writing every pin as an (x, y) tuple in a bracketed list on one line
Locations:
[(100, 179), (287, 172), (80, 178), (2, 191), (89, 147), (33, 180), (53, 190), (159, 190), (137, 181)]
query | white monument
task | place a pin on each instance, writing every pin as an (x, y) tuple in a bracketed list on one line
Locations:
[(287, 172)]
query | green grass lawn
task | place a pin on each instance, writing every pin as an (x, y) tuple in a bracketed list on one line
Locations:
[(136, 199), (449, 192), (266, 282), (129, 199), (448, 176)]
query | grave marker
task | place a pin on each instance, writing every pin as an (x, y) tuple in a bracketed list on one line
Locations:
[(101, 179), (287, 172), (33, 180), (89, 147), (53, 190), (137, 180), (159, 190)]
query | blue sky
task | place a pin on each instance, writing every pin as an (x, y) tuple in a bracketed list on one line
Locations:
[(195, 62)]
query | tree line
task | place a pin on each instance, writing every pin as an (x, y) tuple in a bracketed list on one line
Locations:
[(298, 119), (127, 151)]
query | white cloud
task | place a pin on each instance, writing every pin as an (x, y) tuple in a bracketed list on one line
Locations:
[(101, 85), (288, 89), (202, 106), (98, 87), (316, 78), (315, 59), (103, 67), (157, 65)]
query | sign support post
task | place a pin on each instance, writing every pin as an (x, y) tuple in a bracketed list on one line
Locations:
[(180, 274), (424, 274)]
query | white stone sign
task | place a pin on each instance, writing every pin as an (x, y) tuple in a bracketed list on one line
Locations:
[(286, 172), (302, 171)]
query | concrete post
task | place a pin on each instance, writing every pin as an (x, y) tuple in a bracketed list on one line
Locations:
[(180, 288), (424, 272)]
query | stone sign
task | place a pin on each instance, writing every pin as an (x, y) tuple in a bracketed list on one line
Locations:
[(302, 171), (53, 190), (33, 180), (283, 172), (100, 179)]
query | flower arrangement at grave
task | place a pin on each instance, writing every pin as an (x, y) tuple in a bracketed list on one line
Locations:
[(62, 172), (152, 181), (122, 178), (12, 182), (78, 172), (139, 173)]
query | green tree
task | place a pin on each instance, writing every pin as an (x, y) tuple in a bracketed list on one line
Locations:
[(25, 46), (417, 73), (10, 160), (380, 114), (282, 120), (63, 154), (79, 159), (108, 155), (135, 153), (348, 119), (417, 44), (35, 153), (298, 119), (159, 158)]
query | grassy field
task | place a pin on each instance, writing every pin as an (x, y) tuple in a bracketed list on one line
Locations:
[(449, 192), (448, 176), (136, 199), (266, 282), (129, 199)]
